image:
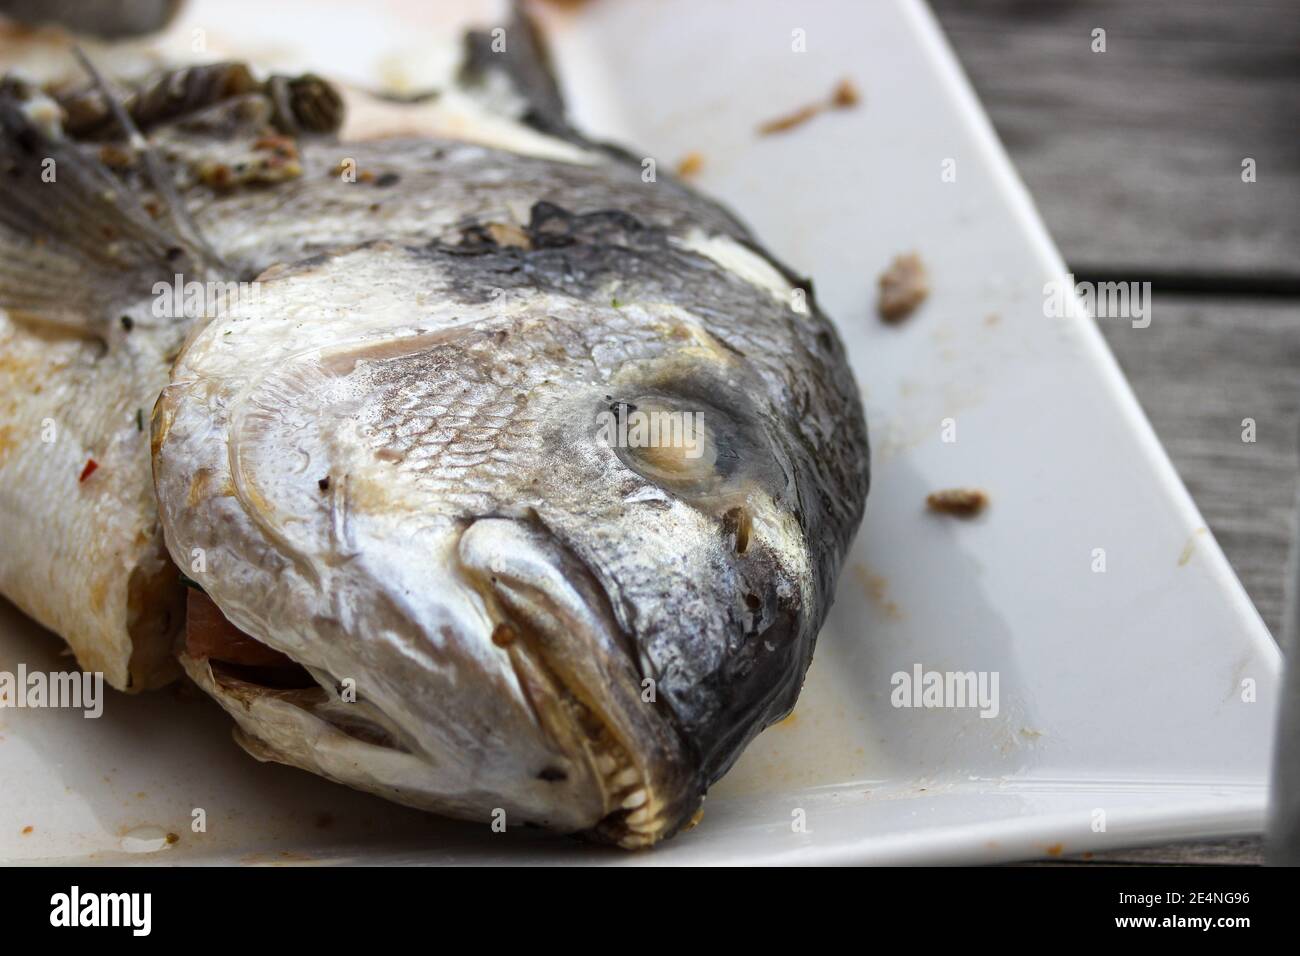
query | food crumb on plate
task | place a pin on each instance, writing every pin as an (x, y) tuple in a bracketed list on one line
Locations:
[(903, 287), (690, 164), (844, 96), (963, 502)]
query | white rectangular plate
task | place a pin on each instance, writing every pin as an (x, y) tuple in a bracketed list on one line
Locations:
[(1136, 704)]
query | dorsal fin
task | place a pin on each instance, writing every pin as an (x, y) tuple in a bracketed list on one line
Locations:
[(76, 246)]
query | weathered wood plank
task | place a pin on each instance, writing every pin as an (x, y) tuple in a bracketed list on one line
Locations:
[(1243, 851), (1134, 155)]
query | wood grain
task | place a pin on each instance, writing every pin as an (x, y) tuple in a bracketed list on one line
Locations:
[(1134, 155), (1241, 851)]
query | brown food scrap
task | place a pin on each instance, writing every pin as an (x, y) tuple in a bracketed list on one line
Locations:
[(963, 502), (91, 467), (690, 164), (508, 234), (903, 286), (173, 838), (503, 635), (788, 122), (284, 146), (844, 96), (27, 830), (217, 175)]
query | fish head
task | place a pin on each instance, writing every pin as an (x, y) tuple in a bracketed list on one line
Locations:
[(568, 552)]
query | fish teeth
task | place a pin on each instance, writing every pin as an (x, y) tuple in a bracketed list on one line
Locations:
[(606, 764), (635, 800), (626, 777)]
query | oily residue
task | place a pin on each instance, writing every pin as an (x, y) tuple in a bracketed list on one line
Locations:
[(876, 588), (1190, 548)]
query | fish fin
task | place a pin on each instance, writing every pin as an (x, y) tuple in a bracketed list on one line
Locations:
[(159, 175), (77, 248), (520, 55)]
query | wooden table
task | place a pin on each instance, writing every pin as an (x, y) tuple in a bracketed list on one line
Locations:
[(1134, 155)]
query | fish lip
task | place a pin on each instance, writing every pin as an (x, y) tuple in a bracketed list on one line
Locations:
[(620, 778), (650, 777)]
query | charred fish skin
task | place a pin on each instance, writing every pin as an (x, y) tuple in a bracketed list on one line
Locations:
[(531, 617)]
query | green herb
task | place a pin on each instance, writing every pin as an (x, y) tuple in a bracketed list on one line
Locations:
[(189, 582), (139, 419)]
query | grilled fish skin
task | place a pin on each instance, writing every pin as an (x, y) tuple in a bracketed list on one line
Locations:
[(387, 454)]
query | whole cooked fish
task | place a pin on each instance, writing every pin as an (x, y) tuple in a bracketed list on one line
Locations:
[(358, 396)]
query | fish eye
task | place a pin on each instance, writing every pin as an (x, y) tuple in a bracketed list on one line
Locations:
[(692, 449)]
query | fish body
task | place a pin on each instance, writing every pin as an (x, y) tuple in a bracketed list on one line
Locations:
[(537, 476)]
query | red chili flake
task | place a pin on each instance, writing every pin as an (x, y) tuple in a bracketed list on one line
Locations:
[(89, 470)]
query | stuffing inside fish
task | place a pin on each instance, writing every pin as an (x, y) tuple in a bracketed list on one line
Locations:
[(507, 479)]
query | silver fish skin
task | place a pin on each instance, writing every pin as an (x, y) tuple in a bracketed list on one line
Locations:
[(389, 460)]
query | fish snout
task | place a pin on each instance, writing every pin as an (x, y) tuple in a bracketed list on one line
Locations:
[(583, 678)]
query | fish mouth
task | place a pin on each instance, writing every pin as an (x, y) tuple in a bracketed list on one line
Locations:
[(581, 676)]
